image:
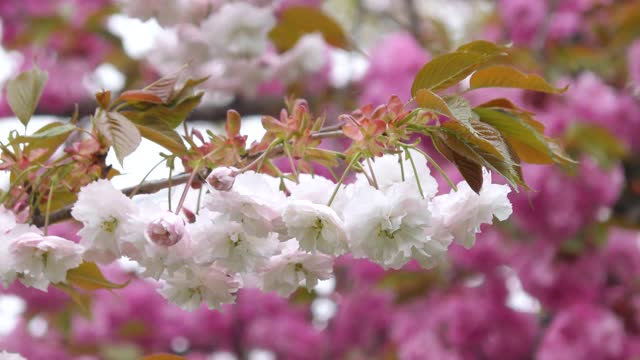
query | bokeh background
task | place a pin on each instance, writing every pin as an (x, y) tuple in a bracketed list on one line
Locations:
[(560, 280)]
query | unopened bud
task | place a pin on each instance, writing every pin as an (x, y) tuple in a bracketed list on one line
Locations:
[(166, 230), (222, 178)]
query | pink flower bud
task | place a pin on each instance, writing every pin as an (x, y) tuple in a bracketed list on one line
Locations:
[(222, 178), (166, 230)]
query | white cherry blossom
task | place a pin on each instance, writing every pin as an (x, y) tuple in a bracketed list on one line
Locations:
[(308, 56), (388, 227), (463, 211), (316, 189), (239, 29), (293, 268), (192, 286), (103, 210), (228, 243), (316, 227), (391, 169), (155, 258), (7, 220), (40, 260)]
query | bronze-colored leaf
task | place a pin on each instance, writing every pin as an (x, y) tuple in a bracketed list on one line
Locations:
[(89, 277), (121, 133), (428, 100), (470, 170), (508, 77), (446, 70), (298, 21), (530, 145)]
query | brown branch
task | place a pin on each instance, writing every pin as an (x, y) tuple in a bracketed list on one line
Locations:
[(146, 188), (258, 106)]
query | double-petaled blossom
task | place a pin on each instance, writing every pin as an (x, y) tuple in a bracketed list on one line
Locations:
[(409, 167), (39, 260), (316, 227), (387, 227), (102, 209), (10, 231), (156, 239), (463, 211), (231, 244), (240, 29), (292, 268), (191, 286)]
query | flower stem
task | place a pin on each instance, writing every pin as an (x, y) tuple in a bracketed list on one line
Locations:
[(137, 188), (48, 209), (415, 171), (170, 186), (344, 175), (187, 186), (435, 164), (373, 175)]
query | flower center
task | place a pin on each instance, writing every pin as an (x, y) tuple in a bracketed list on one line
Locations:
[(110, 225)]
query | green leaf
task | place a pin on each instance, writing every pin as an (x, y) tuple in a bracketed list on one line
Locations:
[(188, 89), (121, 133), (596, 141), (505, 105), (483, 47), (461, 110), (50, 137), (82, 300), (446, 70), (169, 116), (163, 88), (60, 199), (297, 21), (48, 131), (408, 285), (89, 277), (530, 145), (163, 136), (508, 77), (484, 145), (431, 101), (23, 93), (559, 155)]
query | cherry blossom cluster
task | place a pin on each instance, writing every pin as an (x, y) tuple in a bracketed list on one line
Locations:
[(255, 230), (229, 42)]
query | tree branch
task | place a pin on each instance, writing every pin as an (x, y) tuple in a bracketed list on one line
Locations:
[(146, 188), (269, 105)]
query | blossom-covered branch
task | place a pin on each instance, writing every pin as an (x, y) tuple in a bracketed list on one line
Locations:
[(251, 224)]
